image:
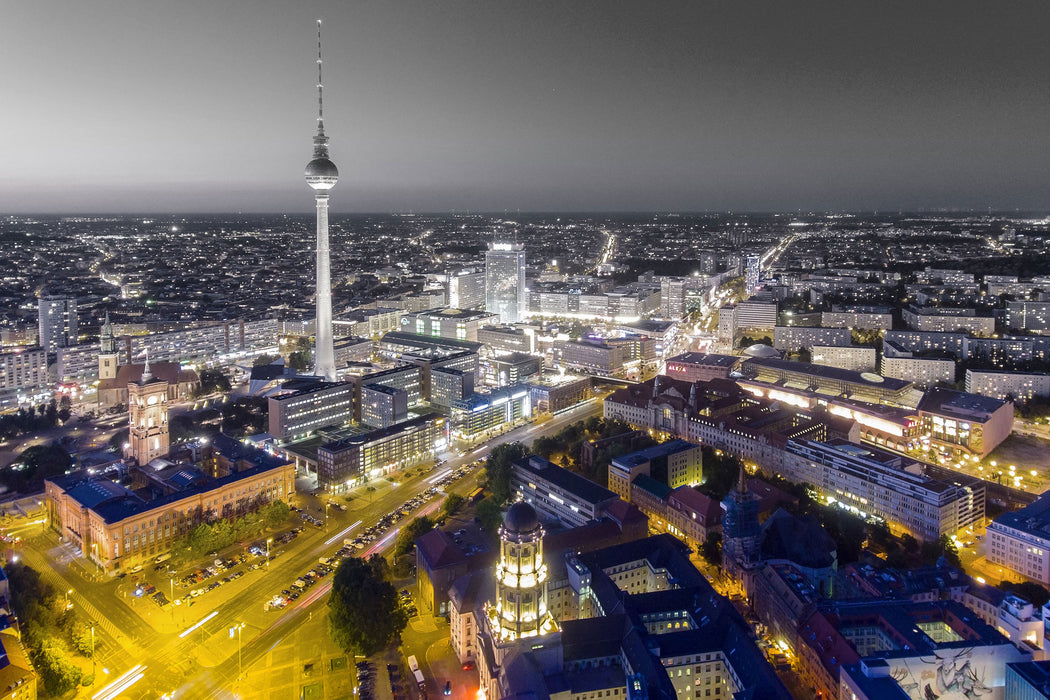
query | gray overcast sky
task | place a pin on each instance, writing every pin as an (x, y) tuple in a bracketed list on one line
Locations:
[(208, 105)]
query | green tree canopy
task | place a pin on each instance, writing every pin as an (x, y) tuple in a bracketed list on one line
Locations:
[(213, 380), (57, 672), (406, 538), (38, 462), (452, 503), (498, 469), (488, 514), (364, 615)]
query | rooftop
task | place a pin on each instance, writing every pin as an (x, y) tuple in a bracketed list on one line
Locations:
[(959, 403), (664, 449), (704, 359), (582, 488)]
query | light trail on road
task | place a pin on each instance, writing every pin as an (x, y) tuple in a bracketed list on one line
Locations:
[(344, 532), (206, 618), (434, 479), (121, 684)]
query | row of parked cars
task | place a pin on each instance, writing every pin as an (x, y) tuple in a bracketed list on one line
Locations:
[(308, 518), (299, 585)]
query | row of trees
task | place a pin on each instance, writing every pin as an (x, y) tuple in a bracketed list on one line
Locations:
[(211, 537), (35, 464), (35, 418), (567, 443), (52, 632)]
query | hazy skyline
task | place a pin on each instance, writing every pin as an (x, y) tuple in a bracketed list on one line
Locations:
[(209, 107)]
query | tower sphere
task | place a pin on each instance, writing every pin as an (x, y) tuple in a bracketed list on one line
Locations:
[(521, 519), (321, 174)]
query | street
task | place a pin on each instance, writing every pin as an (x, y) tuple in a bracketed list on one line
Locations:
[(205, 662)]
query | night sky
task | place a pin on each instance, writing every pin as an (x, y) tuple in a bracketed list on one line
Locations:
[(209, 105)]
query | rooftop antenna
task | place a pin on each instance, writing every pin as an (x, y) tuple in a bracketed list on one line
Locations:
[(320, 140)]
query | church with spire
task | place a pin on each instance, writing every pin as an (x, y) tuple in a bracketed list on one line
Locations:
[(115, 378)]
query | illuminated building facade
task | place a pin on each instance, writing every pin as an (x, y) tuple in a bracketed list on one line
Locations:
[(305, 407), (505, 293), (473, 416), (360, 458), (58, 322), (520, 609), (958, 421), (115, 527), (870, 481), (148, 410)]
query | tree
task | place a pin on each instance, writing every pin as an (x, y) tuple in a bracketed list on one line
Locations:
[(488, 514), (300, 360), (264, 359), (275, 513), (498, 468), (406, 538), (452, 503), (213, 380), (65, 408), (364, 614), (711, 549), (38, 462), (118, 439), (57, 672), (1032, 592)]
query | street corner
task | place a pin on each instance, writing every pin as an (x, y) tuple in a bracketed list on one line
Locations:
[(423, 624)]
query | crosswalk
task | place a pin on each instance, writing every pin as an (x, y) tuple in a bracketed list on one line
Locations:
[(35, 559)]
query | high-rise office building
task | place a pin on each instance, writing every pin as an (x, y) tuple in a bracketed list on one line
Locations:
[(58, 322), (754, 273), (466, 289), (505, 292), (321, 175)]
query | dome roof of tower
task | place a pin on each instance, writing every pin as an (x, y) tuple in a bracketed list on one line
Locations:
[(521, 518), (321, 168)]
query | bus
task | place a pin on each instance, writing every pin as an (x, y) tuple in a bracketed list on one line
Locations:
[(476, 494)]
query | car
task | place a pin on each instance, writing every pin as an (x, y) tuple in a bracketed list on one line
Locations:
[(448, 688), (468, 664)]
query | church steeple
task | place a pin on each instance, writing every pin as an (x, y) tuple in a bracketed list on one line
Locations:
[(107, 352)]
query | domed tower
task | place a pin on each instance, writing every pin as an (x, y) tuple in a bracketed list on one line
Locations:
[(148, 413), (321, 175), (520, 609)]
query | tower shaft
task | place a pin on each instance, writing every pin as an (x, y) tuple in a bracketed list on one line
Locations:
[(324, 350)]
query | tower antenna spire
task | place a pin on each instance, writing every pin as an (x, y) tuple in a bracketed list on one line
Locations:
[(320, 140), (321, 175)]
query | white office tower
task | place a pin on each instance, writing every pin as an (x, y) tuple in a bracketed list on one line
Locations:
[(321, 175), (753, 274), (58, 322), (505, 292)]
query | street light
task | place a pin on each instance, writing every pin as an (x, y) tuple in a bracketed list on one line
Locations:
[(94, 548), (268, 541), (68, 593)]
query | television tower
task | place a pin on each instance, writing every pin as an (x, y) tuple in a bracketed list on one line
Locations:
[(321, 175)]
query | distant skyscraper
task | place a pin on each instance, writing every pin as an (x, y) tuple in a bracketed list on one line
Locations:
[(58, 322), (754, 273), (505, 281), (321, 175)]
